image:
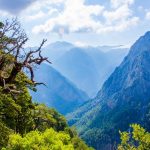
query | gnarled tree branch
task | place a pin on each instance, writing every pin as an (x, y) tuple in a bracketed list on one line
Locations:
[(12, 42)]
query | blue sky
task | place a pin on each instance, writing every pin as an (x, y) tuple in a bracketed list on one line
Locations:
[(82, 22)]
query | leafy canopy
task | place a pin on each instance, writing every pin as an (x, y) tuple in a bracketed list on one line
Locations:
[(48, 140), (138, 139)]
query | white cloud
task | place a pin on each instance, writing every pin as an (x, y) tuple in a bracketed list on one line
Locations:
[(148, 15), (38, 5), (120, 26), (51, 11), (38, 15), (120, 17), (118, 3), (80, 44), (75, 16), (120, 13)]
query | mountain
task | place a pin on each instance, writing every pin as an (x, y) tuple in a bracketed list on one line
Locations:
[(105, 62), (83, 65), (79, 67), (123, 99), (59, 92), (55, 50)]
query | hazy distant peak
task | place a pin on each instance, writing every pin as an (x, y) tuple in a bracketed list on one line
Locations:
[(61, 43)]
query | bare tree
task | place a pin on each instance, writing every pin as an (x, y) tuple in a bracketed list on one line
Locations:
[(12, 42)]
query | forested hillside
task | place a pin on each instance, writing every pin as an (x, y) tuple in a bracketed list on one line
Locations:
[(123, 100), (25, 125)]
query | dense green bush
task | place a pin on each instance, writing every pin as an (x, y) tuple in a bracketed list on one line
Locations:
[(48, 140)]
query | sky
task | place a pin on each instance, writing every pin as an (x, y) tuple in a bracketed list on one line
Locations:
[(81, 22)]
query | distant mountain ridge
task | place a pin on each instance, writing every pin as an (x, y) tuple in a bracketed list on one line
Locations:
[(77, 68), (81, 65), (123, 99), (55, 50), (59, 92)]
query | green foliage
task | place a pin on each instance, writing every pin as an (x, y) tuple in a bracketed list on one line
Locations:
[(45, 117), (47, 140), (23, 124), (80, 144), (16, 109), (35, 140), (1, 25), (4, 134), (138, 139), (21, 116)]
